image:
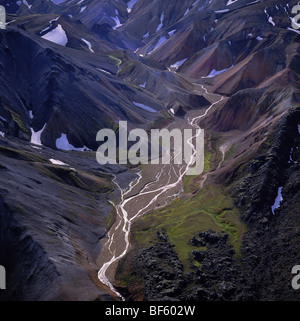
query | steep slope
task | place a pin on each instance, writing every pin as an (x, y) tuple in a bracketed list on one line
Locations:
[(49, 238), (57, 84)]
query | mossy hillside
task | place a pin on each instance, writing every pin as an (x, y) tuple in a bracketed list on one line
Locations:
[(81, 180), (230, 153), (21, 155), (210, 208), (116, 60), (18, 120), (110, 219)]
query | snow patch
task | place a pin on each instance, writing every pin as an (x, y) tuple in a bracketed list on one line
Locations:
[(105, 71), (187, 11), (259, 38), (36, 136), (143, 85), (116, 20), (57, 162), (30, 114), (271, 21), (178, 63), (214, 72), (278, 200), (8, 23), (50, 22), (2, 118), (146, 35), (57, 35), (144, 107), (1, 134), (130, 5), (54, 20), (47, 28), (161, 22), (88, 44), (63, 143), (82, 9), (159, 43), (171, 33), (231, 2), (27, 4), (222, 11), (291, 29)]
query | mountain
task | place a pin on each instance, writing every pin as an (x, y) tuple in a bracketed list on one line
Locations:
[(71, 68)]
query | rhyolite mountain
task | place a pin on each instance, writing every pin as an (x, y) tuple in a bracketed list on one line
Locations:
[(71, 68)]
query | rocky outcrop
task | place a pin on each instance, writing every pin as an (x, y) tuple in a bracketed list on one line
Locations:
[(271, 236), (216, 275)]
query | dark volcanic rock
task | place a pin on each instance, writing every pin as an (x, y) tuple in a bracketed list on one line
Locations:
[(63, 90), (51, 221), (270, 247), (218, 277)]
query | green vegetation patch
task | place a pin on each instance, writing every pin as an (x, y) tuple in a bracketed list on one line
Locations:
[(81, 180), (21, 155), (210, 208), (117, 61), (110, 219), (18, 120), (231, 152)]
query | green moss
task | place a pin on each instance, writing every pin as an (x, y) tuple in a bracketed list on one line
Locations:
[(117, 61), (127, 67), (21, 155), (18, 120), (80, 180), (231, 152), (110, 220), (208, 209), (129, 278), (207, 160), (166, 114), (186, 183)]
